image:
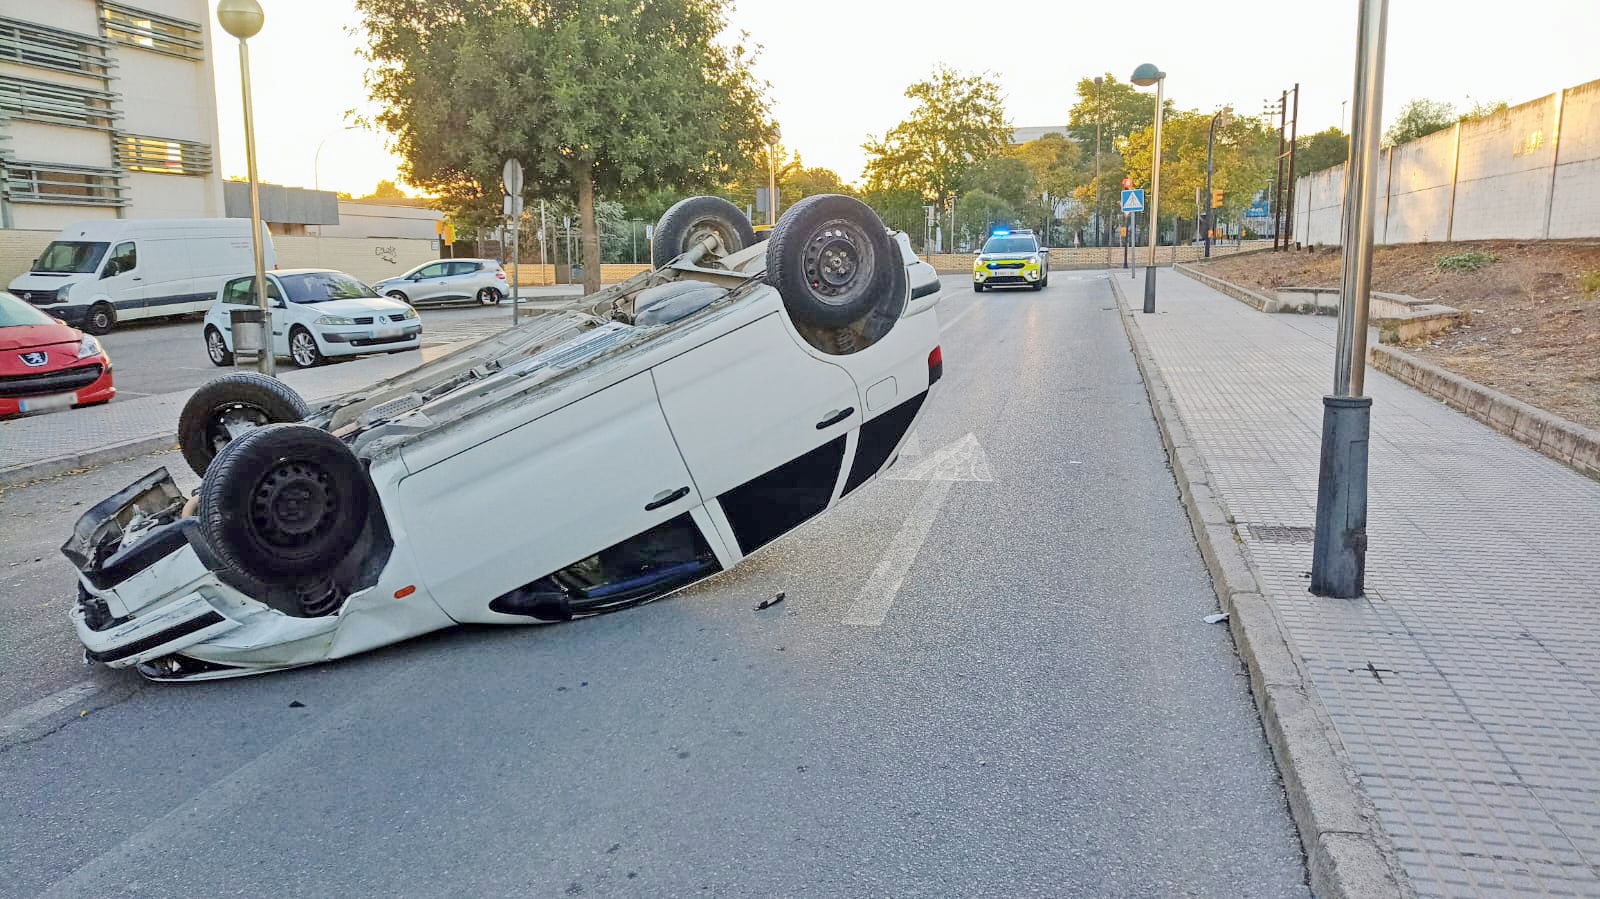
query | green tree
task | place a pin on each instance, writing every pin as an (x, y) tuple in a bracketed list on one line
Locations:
[(612, 96), (959, 119), (1482, 109), (1005, 177), (1323, 150), (1419, 118), (1244, 158), (386, 190), (1120, 109), (1055, 163), (901, 209), (977, 212), (812, 181)]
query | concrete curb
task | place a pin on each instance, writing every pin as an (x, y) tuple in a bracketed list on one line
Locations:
[(1565, 441), (1347, 852), (116, 452), (1247, 297)]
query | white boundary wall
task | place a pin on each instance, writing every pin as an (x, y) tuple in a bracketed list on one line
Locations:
[(1531, 172)]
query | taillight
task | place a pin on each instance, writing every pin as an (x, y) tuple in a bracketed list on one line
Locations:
[(935, 365), (500, 274)]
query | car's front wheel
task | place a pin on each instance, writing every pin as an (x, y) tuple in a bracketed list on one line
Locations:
[(287, 501), (217, 348), (977, 287), (303, 348), (101, 319), (398, 295), (833, 262), (690, 221)]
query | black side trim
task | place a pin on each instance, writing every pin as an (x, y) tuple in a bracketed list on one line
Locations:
[(774, 504), (154, 640), (878, 439)]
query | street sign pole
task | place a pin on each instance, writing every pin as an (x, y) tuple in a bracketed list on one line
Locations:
[(1339, 555), (511, 180)]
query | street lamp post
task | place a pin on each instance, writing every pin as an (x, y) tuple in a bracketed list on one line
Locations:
[(1098, 113), (1226, 117), (772, 177), (1144, 76), (1339, 556), (243, 19)]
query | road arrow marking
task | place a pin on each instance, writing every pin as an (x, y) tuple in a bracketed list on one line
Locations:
[(963, 460), (913, 446)]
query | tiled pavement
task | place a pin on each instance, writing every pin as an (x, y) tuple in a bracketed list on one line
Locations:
[(1466, 685)]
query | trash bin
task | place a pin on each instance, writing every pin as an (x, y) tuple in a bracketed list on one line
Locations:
[(249, 333)]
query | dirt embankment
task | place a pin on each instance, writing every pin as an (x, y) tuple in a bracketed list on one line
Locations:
[(1533, 335)]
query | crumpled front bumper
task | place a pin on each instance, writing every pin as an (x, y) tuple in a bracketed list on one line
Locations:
[(174, 625)]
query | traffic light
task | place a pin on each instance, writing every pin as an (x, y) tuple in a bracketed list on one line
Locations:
[(1216, 199), (1127, 184)]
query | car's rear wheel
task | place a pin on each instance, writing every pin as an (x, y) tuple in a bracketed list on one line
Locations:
[(217, 348), (690, 221), (833, 262), (287, 501), (226, 408), (303, 348), (488, 296)]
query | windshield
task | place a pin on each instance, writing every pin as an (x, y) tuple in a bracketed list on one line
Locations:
[(1011, 245), (70, 256), (319, 287), (14, 312)]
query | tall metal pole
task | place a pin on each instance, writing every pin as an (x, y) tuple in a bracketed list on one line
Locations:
[(772, 188), (1339, 558), (516, 259), (1153, 220), (1098, 114), (266, 362), (1277, 189), (1211, 139), (1294, 129)]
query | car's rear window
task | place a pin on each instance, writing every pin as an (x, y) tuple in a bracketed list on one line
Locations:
[(1011, 245), (15, 312), (319, 287)]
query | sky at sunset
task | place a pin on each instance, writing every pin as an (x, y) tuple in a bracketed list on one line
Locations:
[(838, 67)]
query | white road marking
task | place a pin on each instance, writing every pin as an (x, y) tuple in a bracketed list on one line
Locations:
[(913, 445), (959, 316), (34, 712), (963, 460)]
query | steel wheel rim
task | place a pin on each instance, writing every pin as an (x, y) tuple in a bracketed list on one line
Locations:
[(303, 349), (100, 319), (294, 504), (232, 421), (836, 255)]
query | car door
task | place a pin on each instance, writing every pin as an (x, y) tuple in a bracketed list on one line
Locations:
[(764, 425), (543, 495), (236, 294), (430, 285), (122, 280), (463, 280)]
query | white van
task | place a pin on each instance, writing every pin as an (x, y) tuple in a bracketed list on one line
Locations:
[(95, 274)]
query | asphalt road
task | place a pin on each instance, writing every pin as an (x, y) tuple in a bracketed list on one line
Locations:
[(170, 355), (1040, 712)]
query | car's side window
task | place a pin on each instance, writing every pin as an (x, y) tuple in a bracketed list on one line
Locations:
[(239, 292), (463, 268), (124, 258), (435, 270)]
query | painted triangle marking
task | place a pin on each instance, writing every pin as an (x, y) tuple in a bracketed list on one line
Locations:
[(963, 460), (913, 446)]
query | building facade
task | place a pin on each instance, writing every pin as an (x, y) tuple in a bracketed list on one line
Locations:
[(107, 110)]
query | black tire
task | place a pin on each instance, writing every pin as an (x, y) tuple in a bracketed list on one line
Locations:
[(217, 349), (833, 262), (227, 407), (488, 296), (977, 287), (398, 295), (101, 318), (688, 221), (287, 501), (303, 349), (1038, 285)]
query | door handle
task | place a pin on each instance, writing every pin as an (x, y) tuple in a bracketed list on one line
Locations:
[(666, 498), (836, 417)]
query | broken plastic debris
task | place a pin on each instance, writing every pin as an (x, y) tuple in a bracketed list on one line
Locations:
[(1216, 619), (297, 704), (769, 603)]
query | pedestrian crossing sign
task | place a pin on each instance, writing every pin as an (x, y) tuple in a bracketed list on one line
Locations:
[(1133, 201)]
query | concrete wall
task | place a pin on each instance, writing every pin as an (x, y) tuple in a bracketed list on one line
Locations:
[(1530, 172), (370, 259), (360, 218), (19, 248)]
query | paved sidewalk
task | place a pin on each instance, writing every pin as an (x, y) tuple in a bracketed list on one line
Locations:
[(1466, 685), (44, 445)]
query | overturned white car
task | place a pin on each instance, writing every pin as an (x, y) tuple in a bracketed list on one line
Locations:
[(583, 462)]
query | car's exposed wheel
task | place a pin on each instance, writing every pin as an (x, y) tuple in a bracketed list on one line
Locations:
[(488, 296), (977, 287), (690, 221), (833, 262), (217, 348), (303, 348), (287, 501), (227, 408), (101, 319), (1038, 285), (398, 295)]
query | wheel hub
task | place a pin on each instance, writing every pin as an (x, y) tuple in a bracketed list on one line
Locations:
[(835, 258), (234, 422), (293, 505)]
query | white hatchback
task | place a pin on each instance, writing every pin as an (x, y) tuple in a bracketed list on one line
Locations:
[(315, 314)]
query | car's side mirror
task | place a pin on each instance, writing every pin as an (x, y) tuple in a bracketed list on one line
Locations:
[(111, 270), (278, 304)]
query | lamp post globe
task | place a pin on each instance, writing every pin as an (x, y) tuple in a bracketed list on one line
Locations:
[(241, 18), (1144, 76)]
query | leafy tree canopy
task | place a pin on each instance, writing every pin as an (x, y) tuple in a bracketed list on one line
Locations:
[(1120, 108), (1005, 177), (386, 190), (615, 96), (1323, 150), (1419, 118), (1244, 159), (959, 119)]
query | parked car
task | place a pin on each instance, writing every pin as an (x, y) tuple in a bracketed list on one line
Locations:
[(1011, 259), (585, 461), (95, 274), (45, 364), (449, 281), (315, 314)]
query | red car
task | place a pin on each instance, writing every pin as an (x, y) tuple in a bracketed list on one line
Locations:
[(45, 364)]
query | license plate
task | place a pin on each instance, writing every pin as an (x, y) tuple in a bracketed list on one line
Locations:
[(379, 333), (46, 403)]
